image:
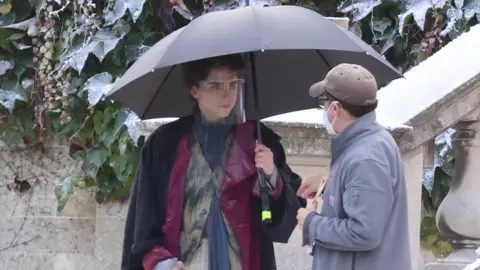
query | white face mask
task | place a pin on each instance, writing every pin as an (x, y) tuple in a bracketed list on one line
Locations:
[(327, 124)]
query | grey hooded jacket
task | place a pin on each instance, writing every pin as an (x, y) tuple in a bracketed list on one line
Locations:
[(363, 224)]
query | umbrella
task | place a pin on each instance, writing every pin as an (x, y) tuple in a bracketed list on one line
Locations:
[(288, 48)]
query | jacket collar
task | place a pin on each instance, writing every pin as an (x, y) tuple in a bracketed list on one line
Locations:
[(364, 125)]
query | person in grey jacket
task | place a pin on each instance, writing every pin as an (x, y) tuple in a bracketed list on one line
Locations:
[(363, 222)]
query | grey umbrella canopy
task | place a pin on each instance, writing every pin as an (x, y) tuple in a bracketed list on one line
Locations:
[(293, 48)]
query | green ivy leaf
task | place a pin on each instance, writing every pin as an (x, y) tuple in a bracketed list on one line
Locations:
[(122, 146), (22, 9), (104, 41), (86, 131), (24, 26), (110, 135), (97, 156), (441, 186), (427, 200), (24, 60), (358, 8), (60, 47), (108, 115), (97, 86), (119, 165), (64, 190), (7, 19), (6, 65), (132, 126), (135, 8), (418, 9), (117, 12), (5, 34), (10, 93), (380, 25), (106, 179), (97, 121), (94, 160)]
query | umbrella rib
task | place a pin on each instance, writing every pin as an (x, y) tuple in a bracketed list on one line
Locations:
[(158, 90), (324, 59)]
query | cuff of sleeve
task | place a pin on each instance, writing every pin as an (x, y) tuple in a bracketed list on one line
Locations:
[(156, 255), (167, 264), (276, 181), (309, 228), (273, 179)]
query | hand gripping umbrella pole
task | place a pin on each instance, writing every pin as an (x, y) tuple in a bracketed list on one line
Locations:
[(264, 189)]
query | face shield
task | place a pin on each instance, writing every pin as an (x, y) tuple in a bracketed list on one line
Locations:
[(223, 99)]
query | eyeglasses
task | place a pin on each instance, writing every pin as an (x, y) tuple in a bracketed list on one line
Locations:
[(222, 87), (321, 102)]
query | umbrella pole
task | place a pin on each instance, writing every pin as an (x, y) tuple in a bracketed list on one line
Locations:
[(264, 189)]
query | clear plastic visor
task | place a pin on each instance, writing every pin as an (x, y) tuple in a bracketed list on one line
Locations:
[(224, 99)]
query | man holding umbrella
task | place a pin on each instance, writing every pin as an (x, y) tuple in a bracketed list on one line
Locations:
[(195, 200), (363, 221)]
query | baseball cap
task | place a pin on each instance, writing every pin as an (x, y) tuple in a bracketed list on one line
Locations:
[(352, 84)]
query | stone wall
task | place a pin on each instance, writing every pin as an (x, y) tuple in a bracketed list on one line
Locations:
[(89, 236), (32, 234)]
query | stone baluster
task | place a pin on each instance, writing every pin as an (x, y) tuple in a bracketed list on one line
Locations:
[(458, 217)]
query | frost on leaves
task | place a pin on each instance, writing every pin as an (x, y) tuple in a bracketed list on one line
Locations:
[(418, 9), (119, 9), (5, 65), (100, 44), (97, 86), (359, 9), (10, 92), (132, 124)]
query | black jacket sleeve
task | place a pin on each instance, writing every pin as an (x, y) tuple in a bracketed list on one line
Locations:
[(284, 210), (143, 228)]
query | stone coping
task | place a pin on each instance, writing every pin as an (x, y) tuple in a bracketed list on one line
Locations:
[(297, 138)]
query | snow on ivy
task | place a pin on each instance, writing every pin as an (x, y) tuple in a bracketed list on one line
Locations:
[(27, 25), (463, 10), (104, 41), (10, 93), (444, 142), (132, 123), (5, 66), (418, 9), (135, 8), (358, 8), (97, 86)]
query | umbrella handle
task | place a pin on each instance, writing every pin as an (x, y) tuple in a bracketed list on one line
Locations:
[(264, 199)]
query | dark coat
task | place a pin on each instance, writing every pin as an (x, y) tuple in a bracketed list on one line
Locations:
[(156, 202)]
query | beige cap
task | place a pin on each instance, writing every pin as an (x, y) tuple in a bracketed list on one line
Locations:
[(352, 84)]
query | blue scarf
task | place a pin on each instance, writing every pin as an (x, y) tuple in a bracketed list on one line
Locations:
[(212, 138)]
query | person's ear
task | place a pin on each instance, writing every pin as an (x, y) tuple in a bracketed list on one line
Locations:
[(336, 107), (195, 92)]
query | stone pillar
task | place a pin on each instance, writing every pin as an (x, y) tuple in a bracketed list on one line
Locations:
[(413, 162), (458, 217)]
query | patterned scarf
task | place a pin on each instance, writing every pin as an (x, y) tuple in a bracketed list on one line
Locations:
[(212, 138)]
